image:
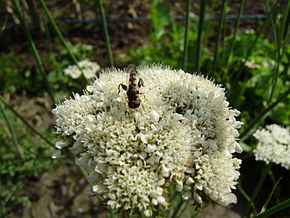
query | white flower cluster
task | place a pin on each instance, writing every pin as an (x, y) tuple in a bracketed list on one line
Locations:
[(252, 65), (183, 132), (88, 68), (273, 145)]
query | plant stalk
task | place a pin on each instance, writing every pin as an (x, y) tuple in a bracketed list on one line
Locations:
[(58, 32), (12, 133), (200, 35), (25, 122), (231, 47), (220, 28), (36, 55), (106, 33), (187, 24), (249, 129)]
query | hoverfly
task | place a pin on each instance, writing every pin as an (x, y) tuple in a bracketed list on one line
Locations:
[(133, 89)]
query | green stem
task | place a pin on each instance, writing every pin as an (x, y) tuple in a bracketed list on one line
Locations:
[(178, 208), (12, 133), (286, 23), (106, 34), (185, 47), (36, 55), (247, 197), (276, 72), (40, 135), (35, 15), (231, 47), (272, 20), (25, 122), (280, 29), (183, 208), (112, 213), (200, 34), (274, 209), (270, 196), (258, 35), (258, 187), (58, 32), (249, 129), (220, 28)]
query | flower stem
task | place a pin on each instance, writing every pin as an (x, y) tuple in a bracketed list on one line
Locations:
[(280, 47), (270, 196), (106, 34), (178, 208), (35, 52), (258, 187), (25, 122), (253, 44), (200, 34), (275, 209), (232, 42), (58, 32), (12, 133), (185, 47), (220, 28), (247, 197)]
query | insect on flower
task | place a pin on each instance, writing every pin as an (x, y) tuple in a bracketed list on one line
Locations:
[(133, 89)]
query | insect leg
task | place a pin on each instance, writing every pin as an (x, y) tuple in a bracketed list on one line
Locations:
[(123, 87)]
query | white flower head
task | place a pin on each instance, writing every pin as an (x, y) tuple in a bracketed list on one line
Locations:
[(252, 65), (183, 132), (88, 68), (273, 145)]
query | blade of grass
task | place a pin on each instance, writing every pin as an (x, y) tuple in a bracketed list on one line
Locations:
[(185, 47), (250, 128), (268, 7), (232, 42), (286, 22), (106, 34), (274, 209), (58, 33), (42, 137), (36, 55), (282, 27), (258, 35), (270, 196), (258, 187), (275, 73), (35, 15), (275, 27), (247, 197), (220, 28), (280, 30), (25, 122), (260, 184), (12, 133), (200, 35)]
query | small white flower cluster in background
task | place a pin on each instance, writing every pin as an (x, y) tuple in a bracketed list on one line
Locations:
[(184, 132), (88, 68), (252, 65), (273, 145)]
